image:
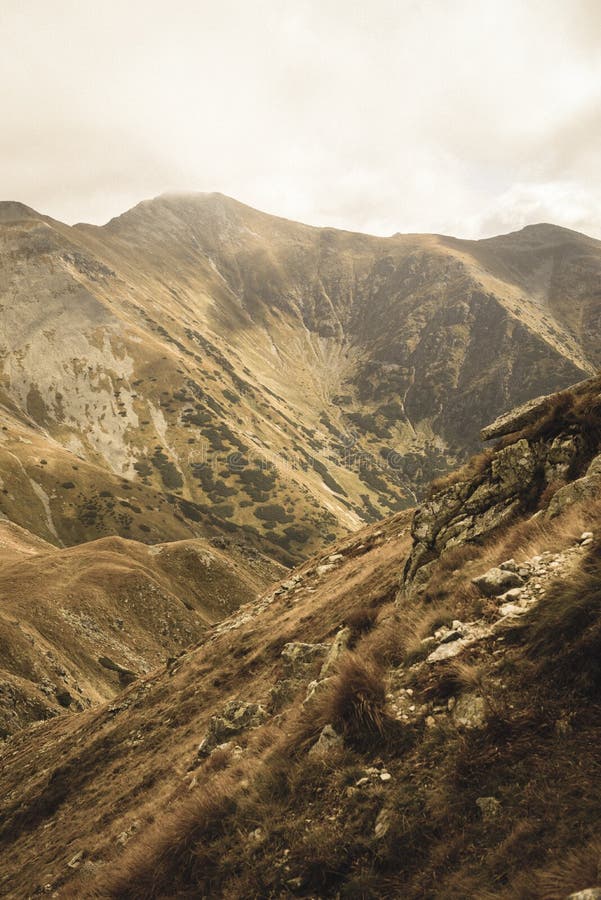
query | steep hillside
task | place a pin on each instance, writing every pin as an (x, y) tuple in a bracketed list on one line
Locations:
[(77, 625), (249, 374), (342, 737)]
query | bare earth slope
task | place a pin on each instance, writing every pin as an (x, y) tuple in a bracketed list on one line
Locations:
[(252, 375)]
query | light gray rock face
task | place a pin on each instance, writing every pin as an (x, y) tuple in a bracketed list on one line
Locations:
[(496, 581), (506, 484), (586, 488), (235, 717), (593, 893), (328, 741), (470, 509), (297, 657)]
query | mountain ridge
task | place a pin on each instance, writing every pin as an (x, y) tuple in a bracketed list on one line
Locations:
[(338, 370)]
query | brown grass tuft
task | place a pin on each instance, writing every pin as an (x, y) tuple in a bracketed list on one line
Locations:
[(356, 701), (361, 620), (474, 467)]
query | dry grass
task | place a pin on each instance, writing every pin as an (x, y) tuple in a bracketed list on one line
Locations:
[(473, 468), (355, 703), (179, 851), (437, 844), (564, 637), (360, 621)]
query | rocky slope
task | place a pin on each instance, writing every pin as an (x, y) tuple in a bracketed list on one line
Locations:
[(245, 374), (357, 731)]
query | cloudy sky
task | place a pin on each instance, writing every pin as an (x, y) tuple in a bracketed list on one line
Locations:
[(468, 117)]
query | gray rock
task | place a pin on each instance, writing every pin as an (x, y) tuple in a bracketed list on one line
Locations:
[(516, 418), (512, 609), (489, 808), (383, 823), (291, 583), (339, 646), (447, 651), (315, 687), (586, 488), (496, 581), (236, 716), (297, 656), (511, 595), (328, 740), (469, 711), (593, 893)]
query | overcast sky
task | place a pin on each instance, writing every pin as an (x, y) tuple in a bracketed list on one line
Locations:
[(469, 117)]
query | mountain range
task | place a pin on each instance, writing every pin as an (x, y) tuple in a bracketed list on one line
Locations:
[(196, 368), (268, 628)]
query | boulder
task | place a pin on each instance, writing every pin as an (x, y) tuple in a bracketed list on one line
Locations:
[(297, 656), (469, 711), (339, 646), (496, 581), (328, 740), (517, 418)]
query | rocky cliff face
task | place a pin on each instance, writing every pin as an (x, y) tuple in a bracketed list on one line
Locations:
[(548, 455), (251, 374)]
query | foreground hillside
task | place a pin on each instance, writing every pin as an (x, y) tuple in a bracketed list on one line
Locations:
[(414, 712), (240, 373)]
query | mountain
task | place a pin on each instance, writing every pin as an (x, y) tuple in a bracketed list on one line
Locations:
[(197, 368), (412, 713)]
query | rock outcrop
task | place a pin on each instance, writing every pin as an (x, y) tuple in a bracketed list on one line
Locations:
[(512, 478)]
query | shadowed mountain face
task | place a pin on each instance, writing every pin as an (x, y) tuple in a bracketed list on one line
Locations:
[(197, 367)]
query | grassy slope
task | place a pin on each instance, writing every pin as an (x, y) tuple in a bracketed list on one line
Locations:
[(62, 611), (280, 821), (537, 752), (118, 763)]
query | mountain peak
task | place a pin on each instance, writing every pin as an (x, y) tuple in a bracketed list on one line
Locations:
[(14, 211)]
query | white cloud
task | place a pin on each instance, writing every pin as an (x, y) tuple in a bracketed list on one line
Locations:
[(399, 115)]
